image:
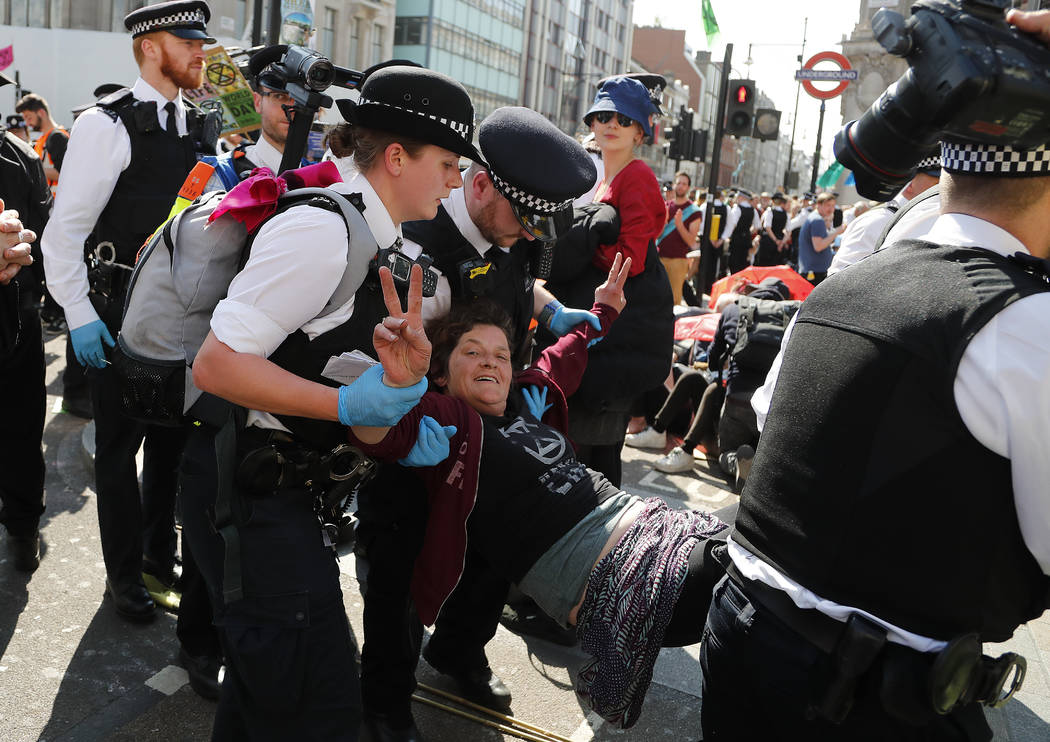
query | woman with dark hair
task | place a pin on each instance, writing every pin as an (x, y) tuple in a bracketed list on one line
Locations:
[(627, 573)]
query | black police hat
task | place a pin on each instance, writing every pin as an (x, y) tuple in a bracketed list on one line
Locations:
[(5, 80), (416, 102), (106, 88), (653, 82), (534, 164), (186, 19)]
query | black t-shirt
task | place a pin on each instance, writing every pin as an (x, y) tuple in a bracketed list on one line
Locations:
[(531, 492)]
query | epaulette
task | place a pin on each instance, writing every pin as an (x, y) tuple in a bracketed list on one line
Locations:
[(112, 103)]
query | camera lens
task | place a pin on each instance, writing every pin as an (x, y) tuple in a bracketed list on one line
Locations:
[(883, 146), (320, 74)]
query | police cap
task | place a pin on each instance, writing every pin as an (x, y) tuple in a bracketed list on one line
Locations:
[(186, 19)]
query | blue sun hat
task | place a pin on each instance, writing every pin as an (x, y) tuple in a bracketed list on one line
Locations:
[(627, 96)]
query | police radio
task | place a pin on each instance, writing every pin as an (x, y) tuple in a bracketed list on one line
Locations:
[(400, 266)]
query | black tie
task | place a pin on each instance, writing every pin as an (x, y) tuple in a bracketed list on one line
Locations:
[(169, 125)]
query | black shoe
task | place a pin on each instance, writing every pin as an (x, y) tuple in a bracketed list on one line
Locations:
[(204, 673), (744, 456), (380, 729), (26, 551), (78, 407), (479, 685), (527, 619), (131, 600)]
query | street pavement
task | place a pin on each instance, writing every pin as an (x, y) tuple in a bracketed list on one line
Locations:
[(71, 669)]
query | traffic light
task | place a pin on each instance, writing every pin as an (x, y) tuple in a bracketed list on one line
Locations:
[(767, 124), (740, 108), (673, 142), (699, 149)]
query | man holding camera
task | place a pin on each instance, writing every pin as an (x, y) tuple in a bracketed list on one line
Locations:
[(835, 622), (126, 160)]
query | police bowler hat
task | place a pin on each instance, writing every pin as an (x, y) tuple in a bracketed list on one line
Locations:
[(418, 103), (627, 96)]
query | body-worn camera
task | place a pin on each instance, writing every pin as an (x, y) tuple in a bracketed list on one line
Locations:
[(400, 266), (972, 78)]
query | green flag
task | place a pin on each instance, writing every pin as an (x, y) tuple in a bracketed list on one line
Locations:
[(710, 22), (831, 175)]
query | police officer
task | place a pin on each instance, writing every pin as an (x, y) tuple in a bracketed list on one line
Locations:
[(772, 242), (824, 629), (711, 251), (742, 222), (489, 239), (127, 156), (291, 670), (24, 187)]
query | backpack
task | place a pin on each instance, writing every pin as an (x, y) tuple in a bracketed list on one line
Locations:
[(760, 331), (181, 274)]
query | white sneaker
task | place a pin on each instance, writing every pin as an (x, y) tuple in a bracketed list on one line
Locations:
[(648, 438), (674, 462)]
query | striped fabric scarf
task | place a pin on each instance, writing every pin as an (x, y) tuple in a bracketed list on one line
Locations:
[(631, 596)]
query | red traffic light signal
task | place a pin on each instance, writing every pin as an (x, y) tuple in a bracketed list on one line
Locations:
[(743, 94), (740, 108)]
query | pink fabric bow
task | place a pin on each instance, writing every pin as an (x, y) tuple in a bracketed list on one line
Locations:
[(254, 199)]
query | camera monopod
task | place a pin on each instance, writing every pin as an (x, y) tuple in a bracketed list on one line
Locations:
[(307, 75)]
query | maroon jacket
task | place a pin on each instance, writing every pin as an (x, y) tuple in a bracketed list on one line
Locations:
[(452, 484)]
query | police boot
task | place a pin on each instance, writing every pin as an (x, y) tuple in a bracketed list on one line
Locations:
[(379, 728), (478, 684), (25, 551)]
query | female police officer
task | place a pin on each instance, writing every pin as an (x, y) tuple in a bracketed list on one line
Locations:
[(289, 654)]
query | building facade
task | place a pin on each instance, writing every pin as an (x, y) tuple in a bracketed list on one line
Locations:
[(570, 46), (481, 43)]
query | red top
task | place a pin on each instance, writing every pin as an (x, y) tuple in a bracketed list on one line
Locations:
[(673, 246), (635, 194)]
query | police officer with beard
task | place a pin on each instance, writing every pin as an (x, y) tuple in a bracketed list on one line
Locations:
[(127, 158)]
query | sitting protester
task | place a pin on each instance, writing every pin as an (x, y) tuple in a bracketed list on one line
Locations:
[(590, 554)]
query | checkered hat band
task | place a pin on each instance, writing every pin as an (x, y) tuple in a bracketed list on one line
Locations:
[(929, 163), (463, 130), (992, 159), (183, 19), (535, 204)]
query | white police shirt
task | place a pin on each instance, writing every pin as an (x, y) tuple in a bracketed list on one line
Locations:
[(297, 260), (1002, 391), (858, 241), (734, 216), (456, 206), (99, 150)]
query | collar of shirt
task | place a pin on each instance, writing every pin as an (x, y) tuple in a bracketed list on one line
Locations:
[(143, 91), (264, 154), (969, 231), (376, 215), (456, 206)]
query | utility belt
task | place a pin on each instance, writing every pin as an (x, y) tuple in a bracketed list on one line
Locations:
[(108, 278), (914, 687), (273, 463)]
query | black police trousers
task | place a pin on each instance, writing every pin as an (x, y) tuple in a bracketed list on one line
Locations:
[(393, 517), (760, 679), (22, 426), (132, 525), (291, 668)]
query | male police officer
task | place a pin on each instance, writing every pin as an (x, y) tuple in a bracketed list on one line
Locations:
[(486, 239), (127, 158), (835, 623)]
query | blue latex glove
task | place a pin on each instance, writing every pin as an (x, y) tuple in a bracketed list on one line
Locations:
[(368, 401), (565, 319), (536, 400), (87, 343), (431, 446)]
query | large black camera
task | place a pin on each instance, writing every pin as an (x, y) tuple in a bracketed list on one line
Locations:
[(973, 78)]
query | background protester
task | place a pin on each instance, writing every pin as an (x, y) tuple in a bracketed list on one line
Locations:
[(815, 240), (679, 235)]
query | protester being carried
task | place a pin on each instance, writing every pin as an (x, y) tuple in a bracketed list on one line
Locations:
[(587, 552)]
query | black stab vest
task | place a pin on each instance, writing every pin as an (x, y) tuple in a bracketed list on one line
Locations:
[(511, 286), (307, 358), (867, 487), (778, 221), (723, 211), (742, 230), (146, 189)]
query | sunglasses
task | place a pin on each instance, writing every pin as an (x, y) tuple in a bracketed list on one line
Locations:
[(605, 117)]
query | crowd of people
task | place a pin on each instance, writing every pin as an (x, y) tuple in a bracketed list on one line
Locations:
[(514, 326)]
